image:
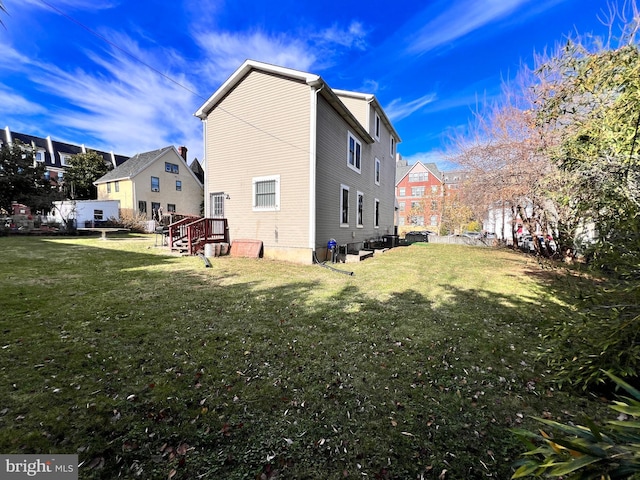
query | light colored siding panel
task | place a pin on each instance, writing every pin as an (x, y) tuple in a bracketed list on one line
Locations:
[(333, 171), (261, 128), (359, 108)]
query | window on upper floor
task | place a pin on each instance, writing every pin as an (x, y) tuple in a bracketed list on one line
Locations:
[(39, 155), (376, 126), (171, 167), (434, 189), (419, 177), (360, 209), (266, 193), (108, 187), (392, 147), (155, 184), (344, 206), (401, 206), (402, 192), (178, 185), (376, 174), (354, 153), (64, 158), (116, 185), (417, 191)]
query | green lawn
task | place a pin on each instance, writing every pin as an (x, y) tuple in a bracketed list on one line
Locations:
[(152, 366)]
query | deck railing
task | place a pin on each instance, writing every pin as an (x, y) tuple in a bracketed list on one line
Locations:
[(192, 234)]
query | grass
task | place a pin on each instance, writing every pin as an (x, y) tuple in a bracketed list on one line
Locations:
[(151, 366)]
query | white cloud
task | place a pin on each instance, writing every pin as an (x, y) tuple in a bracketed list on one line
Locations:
[(120, 99), (16, 104), (460, 19), (74, 4), (225, 51), (354, 36), (397, 109)]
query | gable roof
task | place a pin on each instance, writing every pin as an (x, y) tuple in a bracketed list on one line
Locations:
[(370, 98), (403, 170), (314, 81), (197, 169), (134, 165)]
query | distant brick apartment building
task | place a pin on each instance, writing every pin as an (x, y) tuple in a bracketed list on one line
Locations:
[(421, 193)]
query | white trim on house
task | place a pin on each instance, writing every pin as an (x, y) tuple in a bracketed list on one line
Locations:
[(354, 158), (269, 178), (344, 188)]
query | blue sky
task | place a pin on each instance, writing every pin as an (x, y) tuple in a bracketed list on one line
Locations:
[(429, 63)]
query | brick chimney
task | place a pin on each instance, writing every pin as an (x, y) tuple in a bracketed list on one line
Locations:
[(183, 153)]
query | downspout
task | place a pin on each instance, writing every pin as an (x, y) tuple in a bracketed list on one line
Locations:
[(206, 199), (313, 137)]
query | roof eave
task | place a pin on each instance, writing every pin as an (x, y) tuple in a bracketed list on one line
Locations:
[(241, 72)]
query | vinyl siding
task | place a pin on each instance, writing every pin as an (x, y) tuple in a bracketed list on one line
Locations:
[(359, 108), (261, 128), (188, 201), (333, 172)]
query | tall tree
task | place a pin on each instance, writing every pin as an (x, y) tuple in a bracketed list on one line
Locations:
[(589, 101), (22, 179), (82, 170)]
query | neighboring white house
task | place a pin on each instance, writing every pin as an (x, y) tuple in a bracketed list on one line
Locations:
[(293, 163), (85, 213)]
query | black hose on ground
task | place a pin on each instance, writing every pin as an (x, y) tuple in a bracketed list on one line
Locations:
[(207, 263), (323, 264)]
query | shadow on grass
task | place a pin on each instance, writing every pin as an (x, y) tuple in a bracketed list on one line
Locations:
[(154, 367)]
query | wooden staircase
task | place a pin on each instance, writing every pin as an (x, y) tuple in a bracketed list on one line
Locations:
[(189, 235)]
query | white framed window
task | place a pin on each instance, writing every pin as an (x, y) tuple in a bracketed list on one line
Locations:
[(116, 185), (376, 126), (178, 185), (360, 219), (354, 152), (39, 155), (344, 206), (417, 191), (108, 187), (401, 206), (392, 147), (376, 213), (171, 168), (403, 192), (434, 189), (266, 193), (434, 220), (376, 175)]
